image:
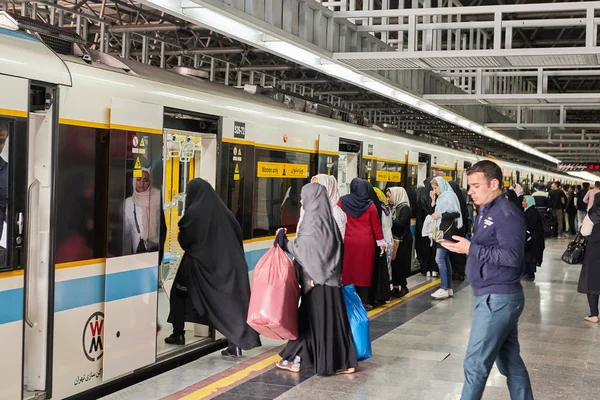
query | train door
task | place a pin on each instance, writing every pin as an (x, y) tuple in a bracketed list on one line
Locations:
[(187, 155), (424, 169), (133, 221), (348, 164), (13, 229)]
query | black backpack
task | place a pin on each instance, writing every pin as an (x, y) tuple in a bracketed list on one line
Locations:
[(548, 221)]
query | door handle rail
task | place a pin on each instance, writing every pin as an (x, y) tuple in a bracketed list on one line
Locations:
[(32, 196)]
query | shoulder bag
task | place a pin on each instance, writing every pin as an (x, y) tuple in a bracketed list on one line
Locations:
[(575, 250)]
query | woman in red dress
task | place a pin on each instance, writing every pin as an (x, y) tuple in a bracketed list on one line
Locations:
[(363, 229)]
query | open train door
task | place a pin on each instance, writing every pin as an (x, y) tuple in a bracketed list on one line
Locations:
[(134, 212), (329, 155)]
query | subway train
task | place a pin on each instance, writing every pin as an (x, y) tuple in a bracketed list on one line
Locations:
[(84, 141)]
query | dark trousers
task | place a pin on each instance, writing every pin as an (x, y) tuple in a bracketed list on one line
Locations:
[(177, 310), (363, 293), (571, 219), (593, 302), (530, 268)]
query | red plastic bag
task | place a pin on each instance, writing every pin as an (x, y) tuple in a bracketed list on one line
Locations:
[(273, 310)]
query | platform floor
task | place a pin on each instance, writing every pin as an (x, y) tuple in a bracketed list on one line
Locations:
[(418, 350)]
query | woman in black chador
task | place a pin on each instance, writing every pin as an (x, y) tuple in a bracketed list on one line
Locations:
[(211, 286), (324, 336), (589, 279)]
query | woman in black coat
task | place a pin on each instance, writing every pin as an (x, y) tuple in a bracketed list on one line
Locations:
[(425, 249), (401, 215), (459, 261), (589, 279), (535, 245)]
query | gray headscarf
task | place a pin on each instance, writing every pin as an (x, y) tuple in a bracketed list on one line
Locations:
[(318, 244)]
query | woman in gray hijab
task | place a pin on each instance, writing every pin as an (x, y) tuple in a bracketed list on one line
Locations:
[(324, 336)]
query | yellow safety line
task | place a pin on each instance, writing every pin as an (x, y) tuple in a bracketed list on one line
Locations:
[(409, 295), (13, 113), (230, 380), (136, 129), (11, 274), (81, 263), (86, 124), (238, 376)]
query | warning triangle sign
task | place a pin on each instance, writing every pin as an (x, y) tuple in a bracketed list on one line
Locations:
[(138, 164), (237, 169), (142, 143), (239, 152)]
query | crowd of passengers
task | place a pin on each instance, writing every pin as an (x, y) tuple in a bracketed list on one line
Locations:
[(365, 239)]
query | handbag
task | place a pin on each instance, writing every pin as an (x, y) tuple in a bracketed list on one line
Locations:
[(395, 248), (575, 250), (141, 246)]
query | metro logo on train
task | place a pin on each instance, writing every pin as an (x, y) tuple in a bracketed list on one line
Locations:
[(92, 337)]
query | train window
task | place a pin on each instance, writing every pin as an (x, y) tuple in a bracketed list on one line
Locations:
[(277, 191), (389, 174), (6, 128), (81, 193)]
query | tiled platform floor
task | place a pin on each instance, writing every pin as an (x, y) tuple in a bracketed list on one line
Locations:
[(419, 348)]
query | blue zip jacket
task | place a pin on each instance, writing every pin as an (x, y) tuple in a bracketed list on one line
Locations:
[(495, 260)]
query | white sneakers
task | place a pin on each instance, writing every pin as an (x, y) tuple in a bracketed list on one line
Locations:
[(442, 294), (432, 273)]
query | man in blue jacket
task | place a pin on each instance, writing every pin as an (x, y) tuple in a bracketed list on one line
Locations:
[(494, 270)]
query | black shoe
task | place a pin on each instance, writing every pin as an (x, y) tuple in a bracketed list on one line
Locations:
[(176, 338), (395, 293), (232, 351), (529, 277), (368, 307), (403, 292)]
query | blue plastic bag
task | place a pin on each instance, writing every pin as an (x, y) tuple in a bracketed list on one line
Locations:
[(359, 323)]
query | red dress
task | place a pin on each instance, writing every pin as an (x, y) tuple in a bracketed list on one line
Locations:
[(359, 247)]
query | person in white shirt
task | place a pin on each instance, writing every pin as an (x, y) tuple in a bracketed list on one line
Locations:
[(589, 196)]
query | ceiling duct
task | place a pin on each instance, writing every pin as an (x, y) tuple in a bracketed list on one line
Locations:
[(318, 109), (196, 73), (62, 41)]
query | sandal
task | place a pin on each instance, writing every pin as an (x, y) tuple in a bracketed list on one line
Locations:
[(289, 366), (592, 319)]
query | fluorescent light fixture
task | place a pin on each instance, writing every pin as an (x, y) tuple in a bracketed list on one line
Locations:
[(339, 71), (292, 52), (588, 176)]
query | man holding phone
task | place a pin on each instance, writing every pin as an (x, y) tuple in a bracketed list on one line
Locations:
[(494, 270)]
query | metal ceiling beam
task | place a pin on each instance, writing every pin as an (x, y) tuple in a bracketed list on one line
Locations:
[(450, 37)]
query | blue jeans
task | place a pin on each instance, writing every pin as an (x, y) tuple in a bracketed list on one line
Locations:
[(494, 337), (442, 258)]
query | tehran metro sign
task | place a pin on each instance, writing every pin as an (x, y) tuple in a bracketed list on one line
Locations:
[(591, 167)]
